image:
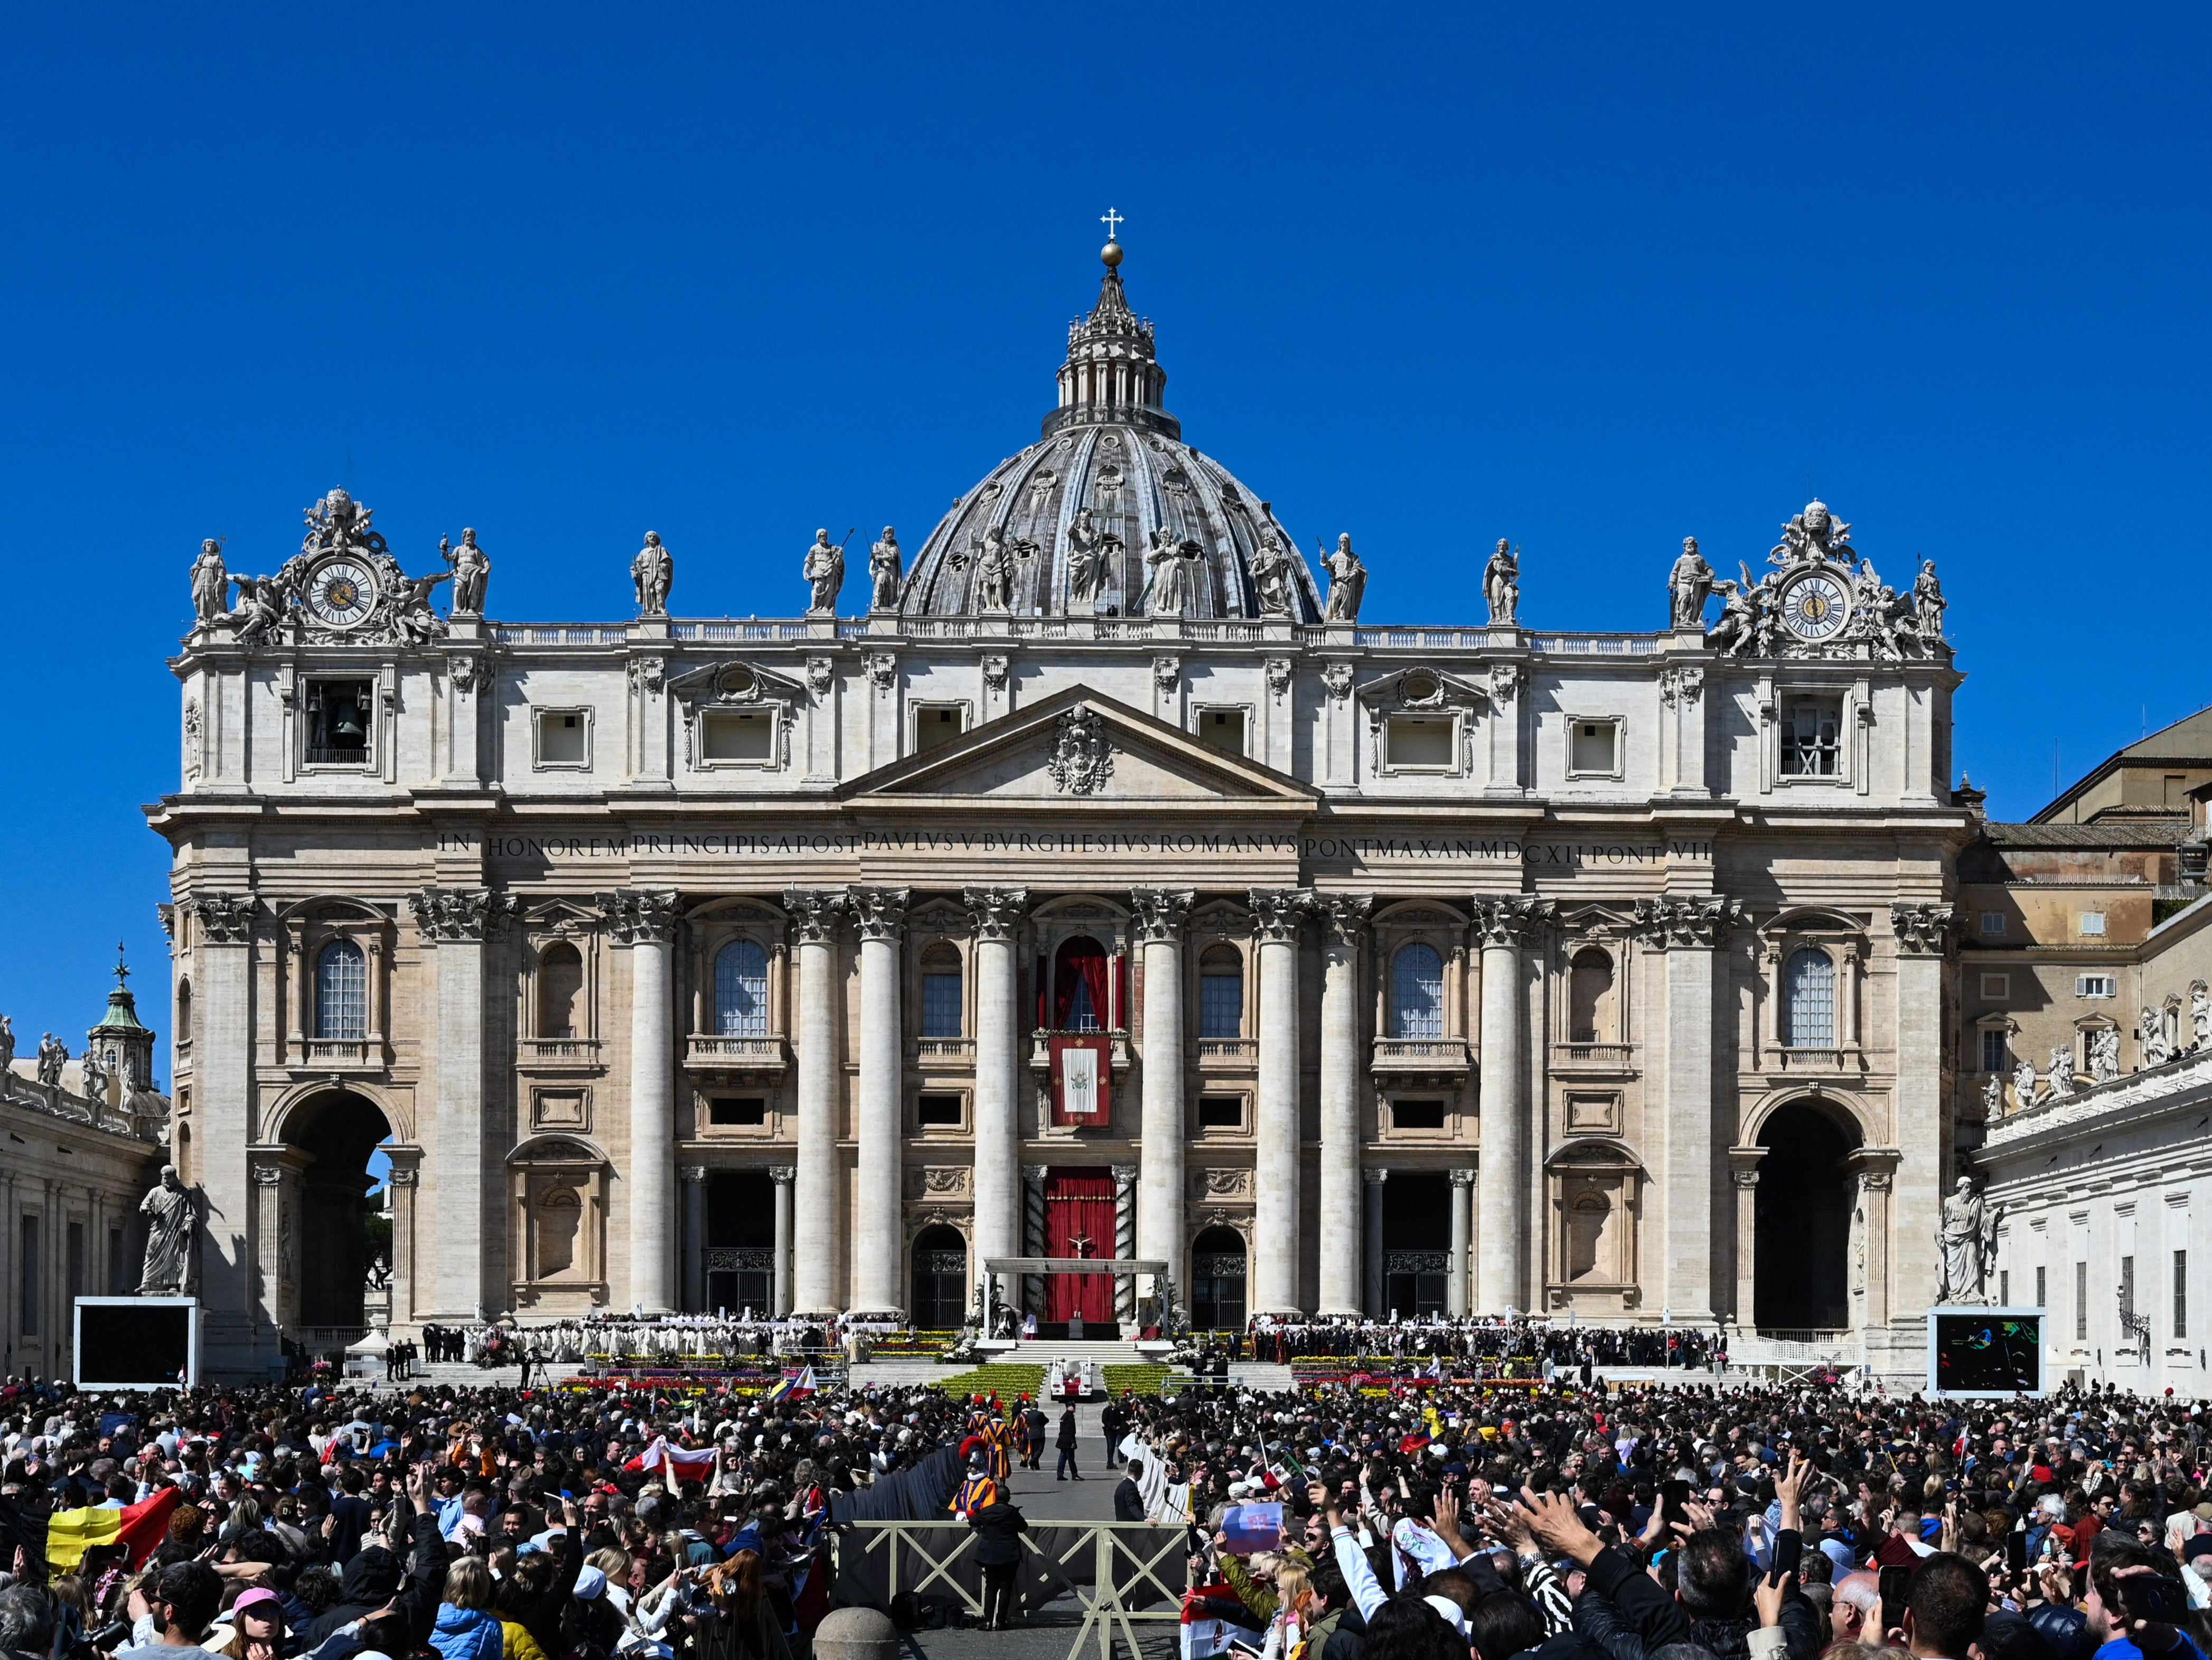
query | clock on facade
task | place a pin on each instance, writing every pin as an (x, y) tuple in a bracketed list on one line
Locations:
[(341, 592), (1813, 607)]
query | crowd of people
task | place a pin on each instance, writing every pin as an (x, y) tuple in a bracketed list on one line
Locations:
[(1488, 1341), (1641, 1520)]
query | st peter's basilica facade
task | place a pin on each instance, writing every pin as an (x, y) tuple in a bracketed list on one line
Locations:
[(1107, 887)]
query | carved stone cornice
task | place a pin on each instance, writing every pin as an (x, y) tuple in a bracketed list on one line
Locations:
[(1693, 923), (1342, 917), (994, 913), (1923, 930), (639, 916), (225, 919), (1276, 913), (879, 912), (460, 914), (1513, 919), (813, 914), (1158, 914)]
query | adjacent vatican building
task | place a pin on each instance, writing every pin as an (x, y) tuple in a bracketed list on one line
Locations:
[(1091, 880)]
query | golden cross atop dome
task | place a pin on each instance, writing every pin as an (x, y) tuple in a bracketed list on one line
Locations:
[(1111, 253), (1111, 219)]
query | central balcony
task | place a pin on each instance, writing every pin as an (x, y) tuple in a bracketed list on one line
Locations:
[(1041, 1047), (1421, 1057), (755, 1057)]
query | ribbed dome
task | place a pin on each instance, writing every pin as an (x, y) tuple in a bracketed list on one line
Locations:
[(1110, 487)]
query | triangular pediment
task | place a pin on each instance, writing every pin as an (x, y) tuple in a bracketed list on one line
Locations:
[(1079, 746)]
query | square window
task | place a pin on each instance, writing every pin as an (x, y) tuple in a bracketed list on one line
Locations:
[(1419, 740), (1417, 1115), (1995, 988), (1222, 730), (2096, 985), (1996, 1049), (944, 1110), (1594, 749), (337, 723), (738, 1110), (1811, 737), (2093, 925), (745, 736), (936, 725), (1220, 1112), (563, 738), (1993, 924)]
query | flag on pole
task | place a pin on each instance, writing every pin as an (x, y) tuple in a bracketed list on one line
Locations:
[(1213, 1617), (141, 1526)]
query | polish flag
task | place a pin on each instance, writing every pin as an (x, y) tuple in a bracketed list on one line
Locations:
[(689, 1465)]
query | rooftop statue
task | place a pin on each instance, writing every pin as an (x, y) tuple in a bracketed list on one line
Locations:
[(7, 1043), (1167, 590), (1501, 585), (823, 568), (1928, 604), (1811, 535), (652, 574), (1089, 549), (1689, 586), (210, 582), (472, 571), (53, 1055), (885, 572), (92, 1077), (1271, 577), (1347, 581), (2104, 1055)]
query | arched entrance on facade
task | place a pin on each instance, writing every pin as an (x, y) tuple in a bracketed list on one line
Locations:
[(1802, 1212), (321, 1186), (939, 1299), (1217, 1281)]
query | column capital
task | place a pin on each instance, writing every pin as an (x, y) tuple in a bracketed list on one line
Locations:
[(994, 913), (1463, 1178), (1124, 1176), (813, 913), (461, 913), (1161, 913), (1033, 1176), (879, 913), (692, 1174), (225, 919), (1743, 1165), (1923, 930), (783, 1175), (1277, 912), (1512, 918), (1693, 922), (639, 917), (1342, 917), (1375, 1174)]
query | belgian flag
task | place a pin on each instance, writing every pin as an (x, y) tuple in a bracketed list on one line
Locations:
[(141, 1526)]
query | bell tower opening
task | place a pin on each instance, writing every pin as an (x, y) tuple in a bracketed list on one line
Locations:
[(327, 1245)]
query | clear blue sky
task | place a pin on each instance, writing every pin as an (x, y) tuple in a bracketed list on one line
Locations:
[(1593, 277)]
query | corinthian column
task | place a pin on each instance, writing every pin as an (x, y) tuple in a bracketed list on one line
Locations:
[(1276, 913), (455, 922), (1501, 1276), (1462, 1198), (816, 1226), (1685, 929), (1160, 915), (1344, 919), (881, 916), (645, 921), (994, 914), (784, 1176)]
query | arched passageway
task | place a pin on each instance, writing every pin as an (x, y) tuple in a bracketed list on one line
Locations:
[(940, 1280), (329, 1248), (1802, 1214), (1217, 1281)]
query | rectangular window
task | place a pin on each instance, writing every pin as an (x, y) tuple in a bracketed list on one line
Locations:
[(1220, 1005), (2004, 1287), (1993, 924), (2127, 1289), (2093, 925), (1996, 1049), (1220, 1112), (1418, 740), (75, 1260), (2096, 985), (2181, 1294), (28, 1277), (2081, 1302), (1811, 737), (738, 1110), (564, 738), (941, 1013), (936, 725), (336, 722), (2041, 1301), (1417, 1115), (1995, 988), (938, 1110), (1594, 749), (1222, 730), (744, 736)]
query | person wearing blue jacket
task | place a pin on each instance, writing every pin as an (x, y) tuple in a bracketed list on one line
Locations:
[(466, 1628)]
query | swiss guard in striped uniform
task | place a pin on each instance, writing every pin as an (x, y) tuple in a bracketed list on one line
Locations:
[(976, 1491), (998, 1438)]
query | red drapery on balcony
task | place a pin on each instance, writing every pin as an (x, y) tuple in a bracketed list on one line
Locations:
[(1081, 961), (1078, 1221)]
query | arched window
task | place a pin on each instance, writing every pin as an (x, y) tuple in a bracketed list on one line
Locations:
[(561, 992), (942, 1012), (1079, 986), (342, 992), (1221, 992), (1589, 997), (560, 1225), (1808, 1000), (184, 1011), (741, 990), (1417, 992)]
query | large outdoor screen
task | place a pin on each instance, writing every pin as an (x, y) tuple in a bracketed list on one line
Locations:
[(135, 1342), (1985, 1351)]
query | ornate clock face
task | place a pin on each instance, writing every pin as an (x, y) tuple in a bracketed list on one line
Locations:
[(341, 592), (1815, 607)]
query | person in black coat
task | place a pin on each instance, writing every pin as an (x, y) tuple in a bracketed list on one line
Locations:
[(1129, 1498), (1066, 1445), (998, 1529)]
